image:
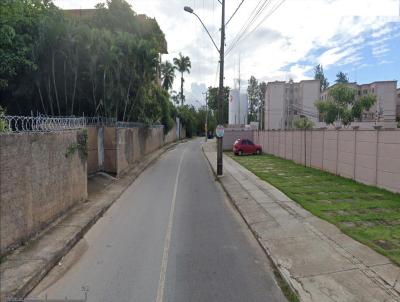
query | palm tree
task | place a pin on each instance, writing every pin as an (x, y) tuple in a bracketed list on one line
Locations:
[(168, 75), (183, 65)]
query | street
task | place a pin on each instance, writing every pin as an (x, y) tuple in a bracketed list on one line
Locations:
[(171, 236)]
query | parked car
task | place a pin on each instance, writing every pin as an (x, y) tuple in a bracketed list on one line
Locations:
[(246, 146)]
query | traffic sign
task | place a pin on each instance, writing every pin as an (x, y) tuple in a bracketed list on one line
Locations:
[(219, 131)]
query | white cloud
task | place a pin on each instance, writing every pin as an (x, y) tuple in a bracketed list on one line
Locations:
[(284, 46), (380, 50)]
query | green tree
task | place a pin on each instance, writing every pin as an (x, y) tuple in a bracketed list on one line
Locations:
[(253, 93), (104, 63), (319, 75), (343, 106), (183, 65), (341, 78), (303, 123), (187, 115), (213, 103), (167, 75)]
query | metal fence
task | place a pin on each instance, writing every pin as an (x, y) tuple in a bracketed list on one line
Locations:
[(9, 123)]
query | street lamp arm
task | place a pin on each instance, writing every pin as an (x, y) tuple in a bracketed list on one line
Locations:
[(207, 31)]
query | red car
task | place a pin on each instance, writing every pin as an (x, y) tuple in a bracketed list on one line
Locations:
[(246, 146)]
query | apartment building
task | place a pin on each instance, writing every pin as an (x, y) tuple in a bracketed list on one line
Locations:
[(286, 101), (384, 110)]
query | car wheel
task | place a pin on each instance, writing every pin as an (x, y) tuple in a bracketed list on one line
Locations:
[(240, 153), (258, 152)]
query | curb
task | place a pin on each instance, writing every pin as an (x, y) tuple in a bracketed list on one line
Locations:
[(47, 265), (277, 269)]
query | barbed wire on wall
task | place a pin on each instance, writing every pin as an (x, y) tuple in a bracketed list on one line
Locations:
[(12, 123)]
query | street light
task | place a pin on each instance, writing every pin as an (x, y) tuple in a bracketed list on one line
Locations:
[(221, 52), (191, 11)]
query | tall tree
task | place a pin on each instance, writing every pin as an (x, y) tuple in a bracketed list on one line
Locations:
[(263, 91), (167, 75), (341, 78), (319, 75), (343, 106), (213, 102), (256, 94), (183, 65)]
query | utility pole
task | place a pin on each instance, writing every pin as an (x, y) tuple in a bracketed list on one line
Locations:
[(221, 90), (206, 122)]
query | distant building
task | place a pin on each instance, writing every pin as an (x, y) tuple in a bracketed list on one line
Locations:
[(238, 104), (384, 110), (284, 102)]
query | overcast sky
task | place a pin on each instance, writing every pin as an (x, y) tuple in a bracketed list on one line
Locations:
[(286, 39)]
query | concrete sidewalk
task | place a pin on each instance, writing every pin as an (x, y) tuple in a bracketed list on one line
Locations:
[(22, 270), (315, 257)]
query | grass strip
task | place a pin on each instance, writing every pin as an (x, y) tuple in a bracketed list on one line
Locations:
[(366, 213)]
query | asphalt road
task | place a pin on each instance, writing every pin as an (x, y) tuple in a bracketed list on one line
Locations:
[(172, 236)]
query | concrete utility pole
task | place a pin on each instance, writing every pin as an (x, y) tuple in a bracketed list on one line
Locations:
[(206, 122), (221, 90)]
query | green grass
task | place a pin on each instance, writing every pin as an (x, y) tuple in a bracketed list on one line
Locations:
[(366, 213)]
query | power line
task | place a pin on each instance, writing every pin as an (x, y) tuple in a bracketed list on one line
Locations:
[(252, 18), (234, 13), (242, 34), (243, 37)]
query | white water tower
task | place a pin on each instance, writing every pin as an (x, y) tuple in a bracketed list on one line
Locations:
[(237, 107)]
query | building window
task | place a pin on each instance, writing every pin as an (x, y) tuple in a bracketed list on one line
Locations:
[(373, 90)]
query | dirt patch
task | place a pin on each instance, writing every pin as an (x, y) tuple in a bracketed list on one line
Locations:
[(347, 200), (368, 223), (386, 245), (390, 222), (349, 224)]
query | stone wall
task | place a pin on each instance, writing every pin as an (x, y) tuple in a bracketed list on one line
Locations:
[(368, 156), (41, 176)]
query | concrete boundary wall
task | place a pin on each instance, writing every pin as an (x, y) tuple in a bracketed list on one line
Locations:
[(123, 147), (367, 156), (231, 135), (42, 175)]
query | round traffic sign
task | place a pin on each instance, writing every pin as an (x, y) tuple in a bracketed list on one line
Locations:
[(219, 131)]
